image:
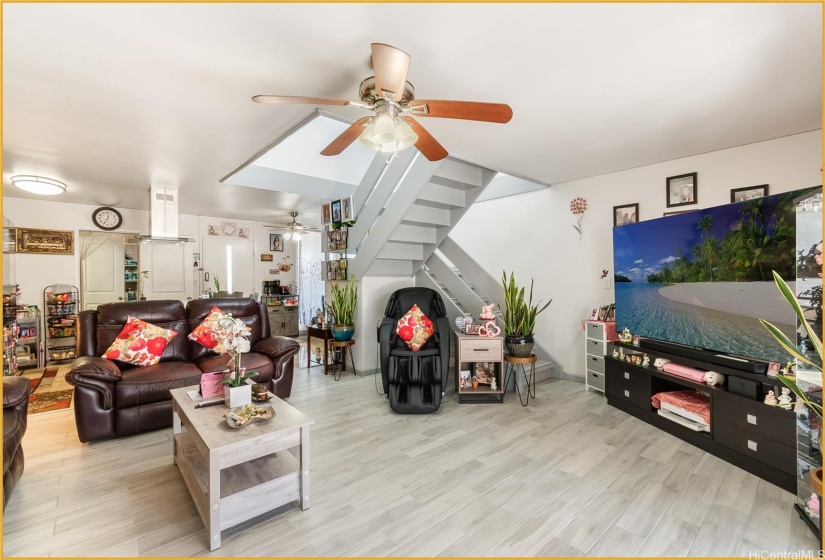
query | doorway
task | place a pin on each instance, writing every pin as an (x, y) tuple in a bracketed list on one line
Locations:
[(109, 268)]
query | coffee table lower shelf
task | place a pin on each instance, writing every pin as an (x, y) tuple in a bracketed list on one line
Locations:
[(246, 490)]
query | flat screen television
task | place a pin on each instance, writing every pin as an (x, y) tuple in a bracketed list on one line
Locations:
[(703, 278)]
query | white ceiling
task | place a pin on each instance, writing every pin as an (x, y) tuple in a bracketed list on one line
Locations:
[(111, 98)]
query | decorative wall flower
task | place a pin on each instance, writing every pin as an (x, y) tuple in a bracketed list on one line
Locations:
[(577, 206)]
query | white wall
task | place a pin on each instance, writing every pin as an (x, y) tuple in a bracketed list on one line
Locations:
[(532, 234), (373, 293), (34, 272)]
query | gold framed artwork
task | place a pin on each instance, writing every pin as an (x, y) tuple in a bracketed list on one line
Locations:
[(266, 257), (45, 241)]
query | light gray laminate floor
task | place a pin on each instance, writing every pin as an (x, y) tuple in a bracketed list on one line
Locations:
[(565, 476)]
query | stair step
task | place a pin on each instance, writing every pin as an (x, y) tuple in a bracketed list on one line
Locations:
[(460, 173), (415, 234), (402, 251), (438, 196), (418, 215)]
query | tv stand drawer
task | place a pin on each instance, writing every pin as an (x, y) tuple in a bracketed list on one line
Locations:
[(629, 385), (756, 417), (755, 446)]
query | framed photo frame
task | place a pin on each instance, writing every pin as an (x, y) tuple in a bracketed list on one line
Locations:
[(266, 257), (9, 240), (336, 211), (636, 340), (243, 232), (229, 229), (681, 190), (748, 193), (625, 214), (213, 230), (593, 314), (45, 241), (276, 242), (346, 209), (326, 214), (485, 372), (472, 329)]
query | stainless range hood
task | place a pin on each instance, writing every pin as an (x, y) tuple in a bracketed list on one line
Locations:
[(163, 217)]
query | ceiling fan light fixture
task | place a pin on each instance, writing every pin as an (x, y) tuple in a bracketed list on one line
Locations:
[(384, 129), (38, 185), (405, 137), (297, 236), (288, 235)]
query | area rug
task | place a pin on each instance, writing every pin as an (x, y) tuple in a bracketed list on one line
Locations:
[(49, 390)]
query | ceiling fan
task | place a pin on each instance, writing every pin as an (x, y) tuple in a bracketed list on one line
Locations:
[(391, 97), (293, 228)]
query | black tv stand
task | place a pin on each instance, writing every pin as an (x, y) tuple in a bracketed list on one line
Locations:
[(745, 432)]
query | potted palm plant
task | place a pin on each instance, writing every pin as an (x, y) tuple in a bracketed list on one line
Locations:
[(791, 348), (519, 317), (342, 304)]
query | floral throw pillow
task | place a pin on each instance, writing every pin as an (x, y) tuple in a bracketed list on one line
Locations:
[(207, 334), (414, 328), (139, 343)]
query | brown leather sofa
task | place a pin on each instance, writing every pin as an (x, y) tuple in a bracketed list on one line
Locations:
[(114, 399), (15, 410)]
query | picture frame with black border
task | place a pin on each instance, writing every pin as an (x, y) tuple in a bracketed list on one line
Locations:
[(336, 211), (276, 242), (681, 190), (748, 193), (625, 214), (346, 209)]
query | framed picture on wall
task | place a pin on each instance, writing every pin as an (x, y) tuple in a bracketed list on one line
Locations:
[(326, 214), (336, 211), (276, 242), (266, 257), (748, 193), (625, 214), (213, 230), (681, 190), (46, 241), (346, 209), (243, 232)]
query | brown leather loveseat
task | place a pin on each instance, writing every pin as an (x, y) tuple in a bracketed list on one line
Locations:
[(15, 410), (114, 399)]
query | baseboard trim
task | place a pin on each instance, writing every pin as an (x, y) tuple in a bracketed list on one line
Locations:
[(572, 377)]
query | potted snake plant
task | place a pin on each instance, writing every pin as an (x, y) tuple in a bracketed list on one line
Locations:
[(342, 302), (519, 317), (790, 382)]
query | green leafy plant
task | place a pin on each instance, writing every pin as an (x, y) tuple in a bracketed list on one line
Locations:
[(342, 302), (217, 282), (237, 380), (519, 315), (791, 348)]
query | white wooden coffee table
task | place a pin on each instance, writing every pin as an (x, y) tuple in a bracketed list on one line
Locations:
[(235, 475)]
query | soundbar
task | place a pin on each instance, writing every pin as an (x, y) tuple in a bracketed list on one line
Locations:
[(699, 354)]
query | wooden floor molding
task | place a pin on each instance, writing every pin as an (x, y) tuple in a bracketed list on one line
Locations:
[(565, 476)]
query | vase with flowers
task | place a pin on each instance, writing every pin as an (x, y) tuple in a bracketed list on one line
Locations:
[(233, 340)]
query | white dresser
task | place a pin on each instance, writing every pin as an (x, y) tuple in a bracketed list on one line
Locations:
[(595, 347)]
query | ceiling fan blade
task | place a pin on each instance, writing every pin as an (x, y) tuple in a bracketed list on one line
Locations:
[(426, 144), (390, 66), (466, 110), (346, 138), (297, 99)]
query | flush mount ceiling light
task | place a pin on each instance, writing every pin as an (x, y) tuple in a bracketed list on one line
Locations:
[(38, 185)]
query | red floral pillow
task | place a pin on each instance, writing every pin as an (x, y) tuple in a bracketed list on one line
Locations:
[(139, 343), (414, 328), (206, 334)]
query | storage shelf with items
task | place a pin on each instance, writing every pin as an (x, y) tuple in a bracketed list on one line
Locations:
[(29, 352), (597, 335), (282, 308), (10, 347), (61, 303), (10, 293), (131, 273), (482, 358), (337, 254)]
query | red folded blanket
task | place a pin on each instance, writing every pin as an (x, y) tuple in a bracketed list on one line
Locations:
[(695, 402), (684, 371)]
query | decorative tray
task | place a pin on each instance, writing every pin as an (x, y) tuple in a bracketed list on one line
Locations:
[(268, 398), (248, 413)]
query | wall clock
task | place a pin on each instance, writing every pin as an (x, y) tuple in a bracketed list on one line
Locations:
[(107, 218)]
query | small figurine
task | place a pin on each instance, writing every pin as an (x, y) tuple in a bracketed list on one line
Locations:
[(621, 353), (615, 353), (318, 354), (487, 313), (625, 336), (813, 505), (628, 359), (493, 385), (770, 399), (646, 361), (713, 378), (785, 397), (660, 363)]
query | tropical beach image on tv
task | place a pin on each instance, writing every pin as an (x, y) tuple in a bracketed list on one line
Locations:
[(703, 278)]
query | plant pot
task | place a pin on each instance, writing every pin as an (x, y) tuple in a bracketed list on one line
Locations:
[(816, 480), (342, 333), (475, 384), (519, 345), (234, 397)]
